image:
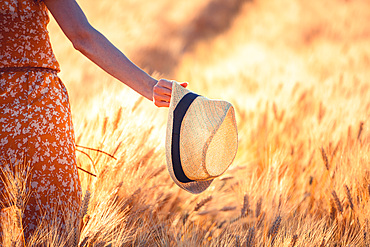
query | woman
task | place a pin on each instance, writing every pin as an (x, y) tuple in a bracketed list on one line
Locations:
[(35, 120)]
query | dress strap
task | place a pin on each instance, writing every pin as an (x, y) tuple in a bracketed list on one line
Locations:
[(26, 69)]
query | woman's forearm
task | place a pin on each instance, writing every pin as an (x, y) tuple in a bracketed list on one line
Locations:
[(103, 53)]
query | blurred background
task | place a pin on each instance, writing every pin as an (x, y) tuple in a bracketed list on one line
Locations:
[(229, 49)]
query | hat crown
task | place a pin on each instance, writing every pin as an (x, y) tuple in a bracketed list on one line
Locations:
[(201, 140), (206, 138)]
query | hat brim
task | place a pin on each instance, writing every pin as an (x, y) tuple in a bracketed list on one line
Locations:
[(194, 187)]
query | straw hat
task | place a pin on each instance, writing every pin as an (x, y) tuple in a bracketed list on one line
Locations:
[(201, 139)]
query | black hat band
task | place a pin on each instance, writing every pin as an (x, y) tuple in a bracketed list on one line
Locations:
[(178, 116)]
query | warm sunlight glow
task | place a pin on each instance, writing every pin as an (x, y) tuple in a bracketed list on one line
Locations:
[(298, 75)]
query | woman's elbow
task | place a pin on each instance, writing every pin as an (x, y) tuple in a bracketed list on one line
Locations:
[(81, 38), (77, 44)]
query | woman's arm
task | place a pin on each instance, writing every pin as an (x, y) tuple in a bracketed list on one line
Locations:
[(102, 52)]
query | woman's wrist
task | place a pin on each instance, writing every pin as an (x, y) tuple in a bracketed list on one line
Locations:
[(152, 82)]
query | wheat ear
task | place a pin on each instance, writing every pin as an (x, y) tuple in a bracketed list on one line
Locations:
[(245, 207), (275, 226), (202, 203), (337, 201), (349, 196), (258, 207), (85, 204), (294, 240), (325, 158), (250, 237)]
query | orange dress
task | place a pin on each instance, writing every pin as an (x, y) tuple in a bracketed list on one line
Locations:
[(35, 118)]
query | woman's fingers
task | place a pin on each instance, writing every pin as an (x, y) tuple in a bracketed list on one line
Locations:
[(158, 98), (163, 87), (161, 96), (162, 92), (165, 83), (162, 103)]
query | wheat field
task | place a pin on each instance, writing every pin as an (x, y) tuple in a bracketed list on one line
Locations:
[(297, 73)]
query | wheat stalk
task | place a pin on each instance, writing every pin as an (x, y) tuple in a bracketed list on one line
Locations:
[(258, 207), (117, 148), (321, 112), (260, 220), (158, 171), (333, 210), (275, 227), (83, 216), (137, 103), (185, 217), (349, 134), (18, 217), (163, 202), (104, 126), (96, 150), (325, 158), (322, 242), (85, 204), (349, 197), (227, 208), (294, 240), (360, 130), (86, 219), (245, 207), (75, 237), (337, 201), (221, 224), (365, 237), (235, 219), (117, 119), (237, 241), (336, 149), (84, 242), (202, 203), (250, 237)]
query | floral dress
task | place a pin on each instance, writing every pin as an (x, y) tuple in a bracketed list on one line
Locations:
[(35, 119)]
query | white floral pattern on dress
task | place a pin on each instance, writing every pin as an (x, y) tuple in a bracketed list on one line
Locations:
[(24, 38), (35, 118)]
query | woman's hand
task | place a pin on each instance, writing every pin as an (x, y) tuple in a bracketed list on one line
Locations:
[(162, 92)]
